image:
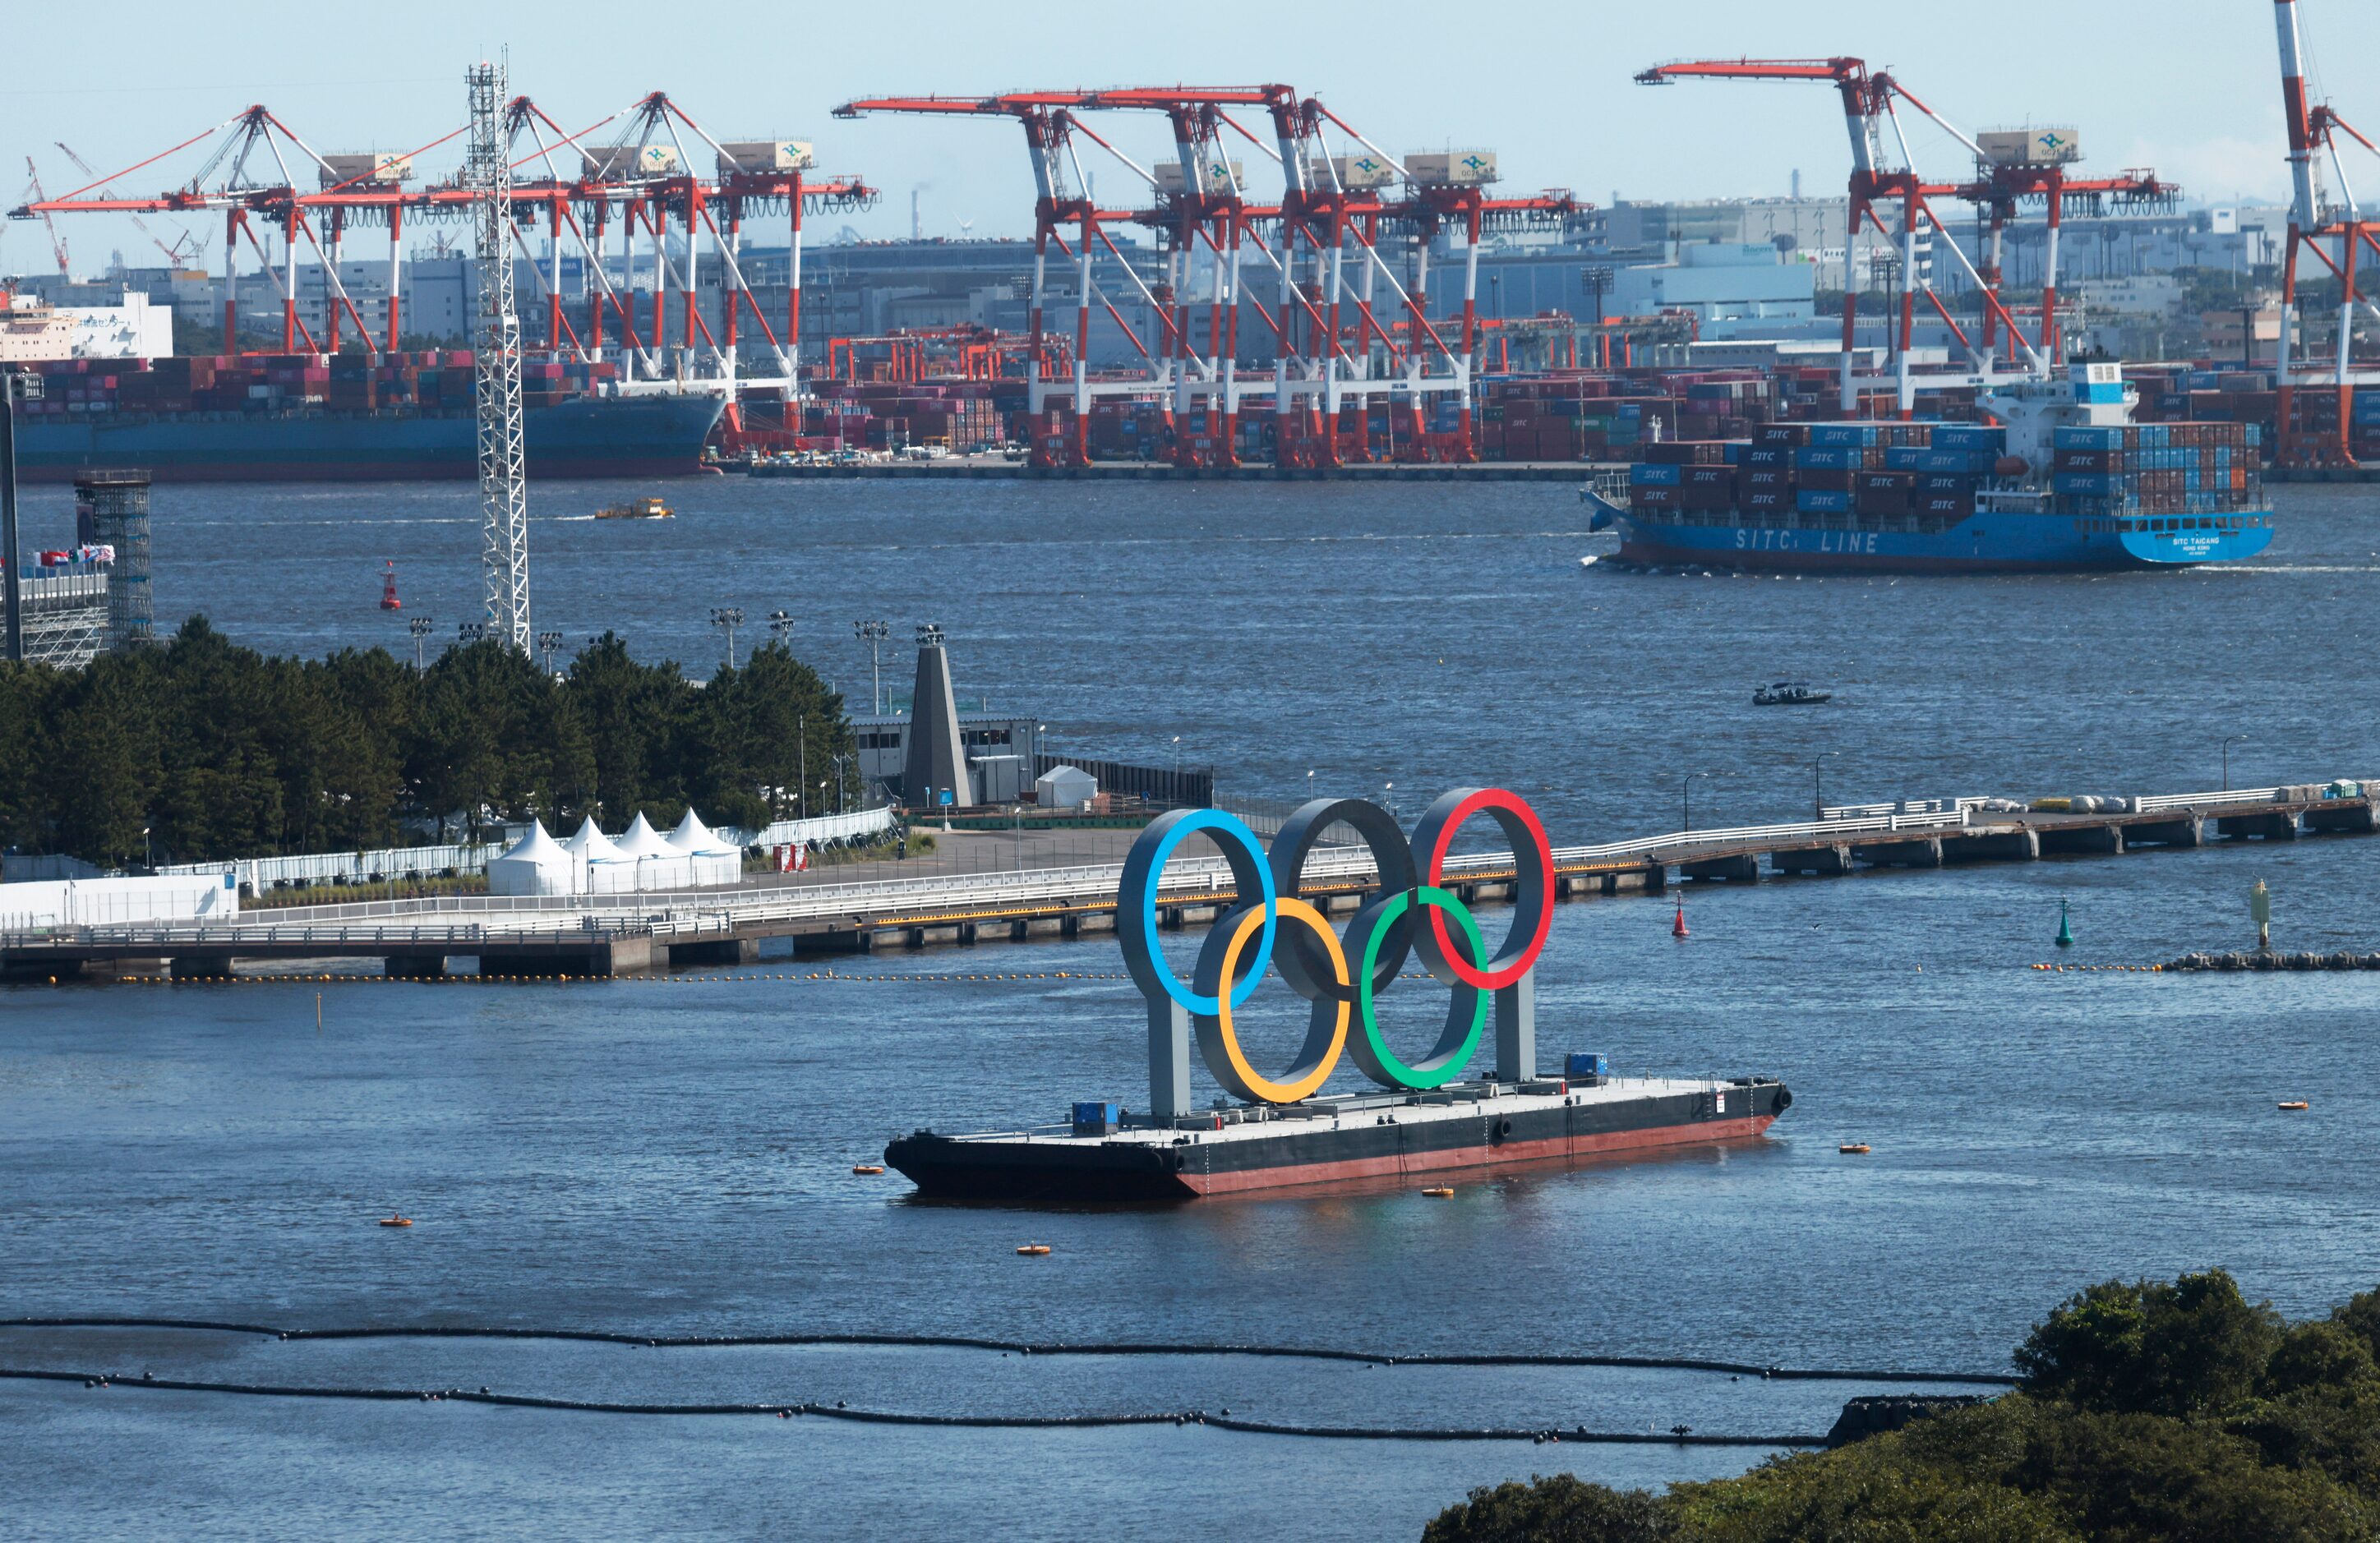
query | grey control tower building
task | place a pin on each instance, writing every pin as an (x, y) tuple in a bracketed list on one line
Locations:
[(937, 759)]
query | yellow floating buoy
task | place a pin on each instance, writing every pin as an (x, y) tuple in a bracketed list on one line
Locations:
[(1032, 1247), (1853, 1148), (866, 1168), (2294, 1103), (1438, 1194)]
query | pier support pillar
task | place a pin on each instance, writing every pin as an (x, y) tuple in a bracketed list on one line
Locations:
[(2361, 819), (2278, 826), (718, 951), (1741, 868), (1169, 1059), (1925, 852), (2107, 840), (199, 966), (1992, 846), (1656, 878), (1516, 1031), (1829, 861), (2188, 831), (415, 966)]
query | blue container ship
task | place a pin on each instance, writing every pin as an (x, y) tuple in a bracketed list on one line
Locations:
[(643, 437), (2064, 481)]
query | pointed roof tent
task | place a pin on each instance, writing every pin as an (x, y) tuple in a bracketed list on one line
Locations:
[(591, 844), (693, 836), (641, 840), (537, 863)]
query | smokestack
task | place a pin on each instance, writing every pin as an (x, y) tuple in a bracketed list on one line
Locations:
[(1797, 184), (916, 220)]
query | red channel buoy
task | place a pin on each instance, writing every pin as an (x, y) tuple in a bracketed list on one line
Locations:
[(1678, 928), (388, 601)]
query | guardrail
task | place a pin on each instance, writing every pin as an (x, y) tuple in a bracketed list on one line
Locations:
[(2199, 800), (166, 939)]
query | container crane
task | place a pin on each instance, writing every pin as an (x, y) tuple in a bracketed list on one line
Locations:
[(1878, 177), (57, 242), (2336, 236), (1062, 203)]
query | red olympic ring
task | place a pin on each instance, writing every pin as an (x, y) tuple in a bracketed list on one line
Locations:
[(1533, 861)]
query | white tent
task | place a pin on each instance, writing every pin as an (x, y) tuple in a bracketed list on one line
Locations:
[(656, 864), (715, 861), (604, 868), (1064, 787), (537, 863)]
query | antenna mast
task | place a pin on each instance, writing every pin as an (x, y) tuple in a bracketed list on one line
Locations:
[(504, 498)]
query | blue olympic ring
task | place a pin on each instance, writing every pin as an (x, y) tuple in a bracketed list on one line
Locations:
[(1143, 954)]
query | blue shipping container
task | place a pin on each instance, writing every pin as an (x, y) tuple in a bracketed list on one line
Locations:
[(1655, 474), (1820, 501)]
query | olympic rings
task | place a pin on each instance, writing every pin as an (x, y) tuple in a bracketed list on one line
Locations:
[(1342, 978), (1142, 955), (1326, 1035), (1533, 861)]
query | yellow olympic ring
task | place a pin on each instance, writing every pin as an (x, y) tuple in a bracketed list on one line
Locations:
[(1221, 1043)]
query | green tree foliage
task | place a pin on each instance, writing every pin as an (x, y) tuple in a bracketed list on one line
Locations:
[(200, 750), (2176, 1347), (2157, 1412), (1558, 1510)]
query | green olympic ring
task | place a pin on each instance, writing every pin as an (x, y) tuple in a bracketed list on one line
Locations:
[(1459, 1039)]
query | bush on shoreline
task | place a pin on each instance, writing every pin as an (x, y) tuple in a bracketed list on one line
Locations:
[(2153, 1411)]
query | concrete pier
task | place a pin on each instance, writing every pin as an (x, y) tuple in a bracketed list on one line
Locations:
[(602, 936)]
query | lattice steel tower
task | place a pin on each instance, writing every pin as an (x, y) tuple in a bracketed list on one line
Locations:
[(504, 498)]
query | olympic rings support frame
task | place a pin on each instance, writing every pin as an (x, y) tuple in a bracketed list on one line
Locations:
[(1412, 911)]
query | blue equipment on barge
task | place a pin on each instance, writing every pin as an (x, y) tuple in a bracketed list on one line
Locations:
[(2063, 481)]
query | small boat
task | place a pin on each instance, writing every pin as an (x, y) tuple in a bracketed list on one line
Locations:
[(1438, 1194), (1788, 693), (2293, 1103), (1853, 1148), (397, 1220), (636, 508), (1034, 1249)]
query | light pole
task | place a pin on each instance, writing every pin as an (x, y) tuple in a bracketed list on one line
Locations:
[(472, 632), (780, 627), (1818, 798), (1309, 786), (2235, 739), (1389, 797), (548, 644), (1596, 279), (1177, 763), (728, 618), (1686, 800), (15, 386), (419, 626), (873, 634), (842, 804)]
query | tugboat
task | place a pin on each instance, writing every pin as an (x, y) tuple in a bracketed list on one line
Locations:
[(1789, 693), (638, 508)]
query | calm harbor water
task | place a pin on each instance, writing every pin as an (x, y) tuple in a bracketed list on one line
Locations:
[(674, 1156)]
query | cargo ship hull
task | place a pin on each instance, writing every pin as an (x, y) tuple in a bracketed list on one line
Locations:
[(1439, 1137), (632, 436), (1982, 542)]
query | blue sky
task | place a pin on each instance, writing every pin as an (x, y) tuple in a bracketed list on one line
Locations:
[(2187, 86)]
